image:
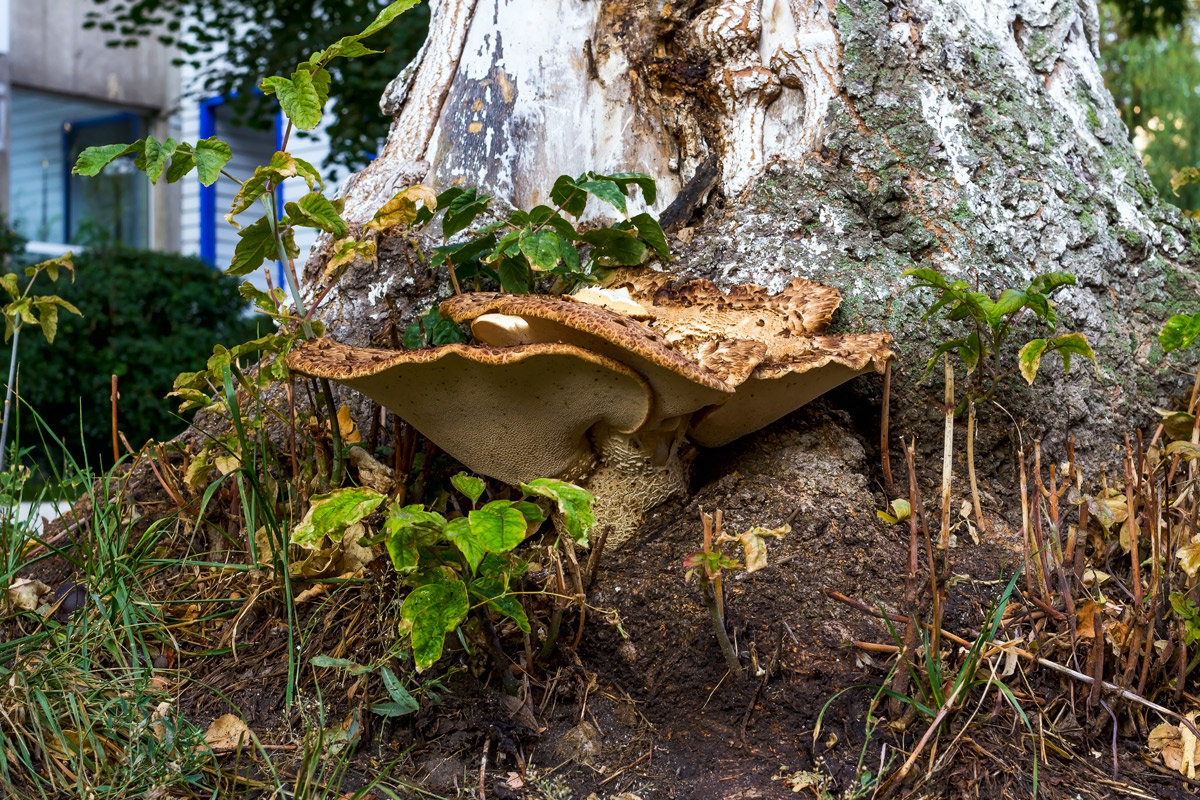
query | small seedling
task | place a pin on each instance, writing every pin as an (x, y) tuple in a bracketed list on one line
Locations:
[(710, 564)]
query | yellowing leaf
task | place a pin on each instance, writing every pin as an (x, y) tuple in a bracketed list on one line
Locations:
[(1189, 557), (346, 426), (402, 208), (755, 549), (228, 733), (900, 511)]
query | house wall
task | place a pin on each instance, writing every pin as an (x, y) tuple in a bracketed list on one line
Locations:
[(52, 51), (4, 84)]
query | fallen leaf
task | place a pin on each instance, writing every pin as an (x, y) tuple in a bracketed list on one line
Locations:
[(346, 426), (24, 594), (1189, 557), (228, 733)]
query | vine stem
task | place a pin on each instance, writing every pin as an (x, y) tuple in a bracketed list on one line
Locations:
[(8, 395), (289, 274)]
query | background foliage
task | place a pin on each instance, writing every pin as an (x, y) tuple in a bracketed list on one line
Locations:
[(1150, 62), (146, 317), (269, 37)]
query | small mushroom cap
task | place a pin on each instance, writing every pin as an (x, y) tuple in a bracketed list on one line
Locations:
[(618, 299), (774, 390), (680, 384), (513, 414)]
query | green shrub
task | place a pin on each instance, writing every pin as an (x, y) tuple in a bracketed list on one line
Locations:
[(147, 316)]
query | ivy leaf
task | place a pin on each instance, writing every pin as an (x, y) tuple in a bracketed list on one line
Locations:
[(1030, 358), (493, 590), (92, 160), (498, 526), (331, 514), (1179, 332), (469, 485), (574, 503), (255, 245), (432, 611)]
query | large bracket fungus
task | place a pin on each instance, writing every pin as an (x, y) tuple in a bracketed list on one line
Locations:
[(604, 386)]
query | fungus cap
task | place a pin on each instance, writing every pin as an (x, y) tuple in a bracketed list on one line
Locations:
[(775, 389), (681, 385), (511, 413)]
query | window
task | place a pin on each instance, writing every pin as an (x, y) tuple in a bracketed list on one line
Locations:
[(48, 205)]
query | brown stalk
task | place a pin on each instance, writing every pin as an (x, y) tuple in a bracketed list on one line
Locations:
[(1097, 660), (889, 487), (113, 404), (1026, 528), (971, 465), (947, 456), (900, 682)]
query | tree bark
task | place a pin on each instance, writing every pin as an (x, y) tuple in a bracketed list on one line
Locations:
[(842, 142)]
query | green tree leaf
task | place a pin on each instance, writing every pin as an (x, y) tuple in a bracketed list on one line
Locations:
[(498, 526), (638, 179), (469, 485), (154, 156), (459, 532), (1010, 301), (385, 17), (541, 248), (92, 160), (1030, 358), (652, 234), (567, 194), (574, 503), (432, 611), (331, 514), (493, 590), (615, 247), (255, 245), (298, 98), (315, 210), (402, 702), (1073, 344), (606, 190), (1179, 332), (462, 211), (211, 155)]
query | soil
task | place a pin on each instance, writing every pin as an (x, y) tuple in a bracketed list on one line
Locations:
[(638, 704)]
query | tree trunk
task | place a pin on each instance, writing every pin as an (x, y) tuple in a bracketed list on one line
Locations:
[(843, 143)]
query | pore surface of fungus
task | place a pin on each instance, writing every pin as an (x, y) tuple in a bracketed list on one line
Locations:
[(514, 413)]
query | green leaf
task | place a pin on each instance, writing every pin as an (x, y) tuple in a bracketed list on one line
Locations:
[(1179, 332), (639, 179), (298, 98), (1009, 302), (47, 319), (652, 234), (927, 277), (432, 611), (459, 532), (971, 352), (153, 158), (532, 512), (541, 248), (385, 17), (951, 346), (1048, 282), (493, 590), (498, 526), (331, 514), (329, 662), (211, 156), (403, 702), (614, 247), (462, 211), (606, 190), (1073, 344), (315, 210), (406, 529), (515, 276), (574, 503), (92, 160), (255, 244), (469, 485), (567, 195), (1030, 359)]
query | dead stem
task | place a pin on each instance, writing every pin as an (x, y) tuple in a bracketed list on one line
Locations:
[(979, 520), (885, 458)]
